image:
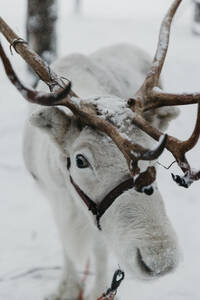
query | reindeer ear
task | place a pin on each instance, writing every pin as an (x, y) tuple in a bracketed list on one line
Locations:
[(53, 121), (161, 117)]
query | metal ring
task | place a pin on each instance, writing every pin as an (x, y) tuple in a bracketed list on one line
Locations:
[(15, 42)]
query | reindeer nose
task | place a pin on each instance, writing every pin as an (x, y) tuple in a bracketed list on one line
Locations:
[(157, 261)]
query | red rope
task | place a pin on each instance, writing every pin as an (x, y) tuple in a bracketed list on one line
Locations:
[(85, 276)]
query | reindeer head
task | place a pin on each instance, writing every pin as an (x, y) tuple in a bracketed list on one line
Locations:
[(135, 226), (98, 155)]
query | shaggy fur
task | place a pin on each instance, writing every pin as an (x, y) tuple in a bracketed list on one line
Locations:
[(136, 227)]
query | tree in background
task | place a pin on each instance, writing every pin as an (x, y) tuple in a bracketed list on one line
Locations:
[(41, 28), (196, 23), (77, 6)]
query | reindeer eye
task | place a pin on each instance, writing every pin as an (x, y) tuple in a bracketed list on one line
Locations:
[(81, 161)]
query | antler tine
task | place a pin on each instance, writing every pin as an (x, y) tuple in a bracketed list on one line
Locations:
[(159, 98), (33, 96), (192, 141), (155, 153), (152, 79), (185, 146), (190, 175), (150, 96), (175, 146), (163, 44), (40, 67), (154, 97)]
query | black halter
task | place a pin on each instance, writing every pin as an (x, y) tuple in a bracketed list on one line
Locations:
[(99, 209)]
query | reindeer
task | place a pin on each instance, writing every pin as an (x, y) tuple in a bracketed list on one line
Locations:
[(90, 156)]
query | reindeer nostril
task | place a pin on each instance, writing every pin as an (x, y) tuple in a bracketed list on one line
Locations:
[(157, 266), (142, 264)]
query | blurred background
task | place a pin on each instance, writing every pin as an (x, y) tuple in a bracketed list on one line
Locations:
[(30, 251)]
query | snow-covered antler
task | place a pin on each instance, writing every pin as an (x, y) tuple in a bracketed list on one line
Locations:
[(132, 152), (149, 96), (40, 67)]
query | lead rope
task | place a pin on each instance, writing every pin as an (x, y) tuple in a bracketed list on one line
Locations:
[(116, 281), (98, 211)]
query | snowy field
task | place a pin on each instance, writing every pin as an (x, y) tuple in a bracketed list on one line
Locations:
[(30, 252)]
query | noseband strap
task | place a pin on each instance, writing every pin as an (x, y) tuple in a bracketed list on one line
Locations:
[(99, 209)]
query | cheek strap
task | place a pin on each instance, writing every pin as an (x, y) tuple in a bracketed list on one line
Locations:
[(99, 209)]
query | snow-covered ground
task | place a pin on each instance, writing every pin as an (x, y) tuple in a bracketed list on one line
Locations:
[(30, 252)]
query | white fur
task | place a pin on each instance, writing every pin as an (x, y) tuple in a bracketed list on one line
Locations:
[(134, 221)]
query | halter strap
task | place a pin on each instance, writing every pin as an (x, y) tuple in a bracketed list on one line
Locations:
[(99, 209)]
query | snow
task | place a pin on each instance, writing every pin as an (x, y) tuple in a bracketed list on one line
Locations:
[(196, 27), (30, 251), (115, 110), (110, 108), (163, 42)]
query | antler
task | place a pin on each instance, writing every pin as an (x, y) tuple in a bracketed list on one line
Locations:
[(132, 152), (149, 96), (40, 67)]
